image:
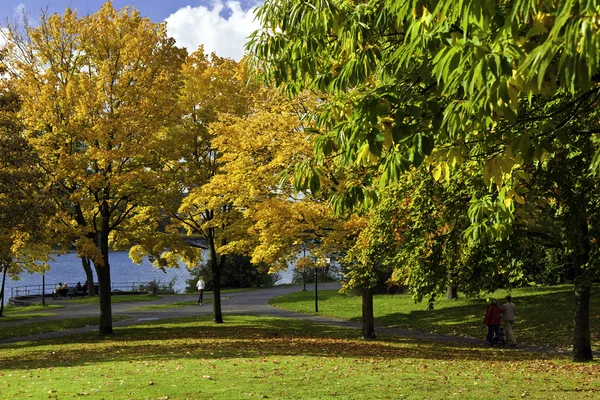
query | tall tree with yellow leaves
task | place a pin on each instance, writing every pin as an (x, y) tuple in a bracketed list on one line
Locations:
[(97, 91), (200, 208), (258, 150), (22, 207)]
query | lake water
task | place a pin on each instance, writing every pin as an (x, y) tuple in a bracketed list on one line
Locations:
[(67, 268)]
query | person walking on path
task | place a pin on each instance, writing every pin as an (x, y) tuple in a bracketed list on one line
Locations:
[(492, 320), (200, 285), (509, 310)]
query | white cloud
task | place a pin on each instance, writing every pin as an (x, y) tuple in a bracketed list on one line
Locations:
[(192, 26), (20, 10)]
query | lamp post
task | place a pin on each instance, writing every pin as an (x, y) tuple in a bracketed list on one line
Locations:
[(43, 288), (316, 287), (304, 265)]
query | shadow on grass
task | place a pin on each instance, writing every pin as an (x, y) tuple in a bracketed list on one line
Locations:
[(239, 337), (544, 317)]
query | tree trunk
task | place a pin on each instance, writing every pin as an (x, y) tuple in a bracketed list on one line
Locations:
[(368, 320), (4, 271), (452, 292), (87, 267), (104, 286), (582, 348), (217, 267)]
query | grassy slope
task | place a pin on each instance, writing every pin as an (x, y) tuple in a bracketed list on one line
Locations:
[(264, 357), (544, 315), (8, 332), (15, 313), (115, 299)]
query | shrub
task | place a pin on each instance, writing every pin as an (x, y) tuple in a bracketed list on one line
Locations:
[(238, 272)]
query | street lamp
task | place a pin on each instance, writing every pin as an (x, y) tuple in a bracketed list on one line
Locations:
[(316, 286), (304, 265), (327, 260)]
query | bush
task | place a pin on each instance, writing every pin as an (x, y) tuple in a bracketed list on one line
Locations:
[(329, 274), (159, 286), (238, 272)]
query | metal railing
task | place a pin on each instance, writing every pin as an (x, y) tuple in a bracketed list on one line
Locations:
[(47, 289)]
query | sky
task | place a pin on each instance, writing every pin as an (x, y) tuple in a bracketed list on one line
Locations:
[(220, 25)]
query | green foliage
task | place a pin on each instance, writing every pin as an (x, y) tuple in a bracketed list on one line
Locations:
[(238, 272), (449, 80), (159, 286), (330, 273)]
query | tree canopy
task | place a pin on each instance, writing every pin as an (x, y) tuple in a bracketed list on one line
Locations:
[(96, 91), (502, 84), (448, 79)]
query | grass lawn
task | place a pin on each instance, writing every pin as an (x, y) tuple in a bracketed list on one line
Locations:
[(17, 313), (544, 314), (264, 357), (171, 305), (12, 331), (12, 310), (116, 299)]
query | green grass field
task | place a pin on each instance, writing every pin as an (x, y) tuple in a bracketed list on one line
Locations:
[(176, 304), (27, 329), (115, 299), (544, 314), (18, 313), (263, 357), (266, 357)]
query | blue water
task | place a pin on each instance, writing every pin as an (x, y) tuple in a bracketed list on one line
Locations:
[(67, 268)]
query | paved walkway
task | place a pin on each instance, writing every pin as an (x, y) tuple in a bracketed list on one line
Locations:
[(254, 302)]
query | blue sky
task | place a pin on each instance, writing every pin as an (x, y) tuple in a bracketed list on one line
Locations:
[(220, 25)]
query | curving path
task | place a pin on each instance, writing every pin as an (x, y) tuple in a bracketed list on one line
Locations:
[(254, 302), (250, 302)]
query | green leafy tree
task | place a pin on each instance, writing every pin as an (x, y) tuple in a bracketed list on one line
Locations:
[(564, 198), (497, 81)]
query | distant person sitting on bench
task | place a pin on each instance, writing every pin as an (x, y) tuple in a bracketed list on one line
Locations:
[(65, 290), (57, 294), (71, 292)]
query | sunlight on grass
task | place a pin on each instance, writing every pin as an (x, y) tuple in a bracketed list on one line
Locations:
[(267, 357), (536, 323), (37, 328), (116, 299), (177, 304), (19, 317), (28, 309)]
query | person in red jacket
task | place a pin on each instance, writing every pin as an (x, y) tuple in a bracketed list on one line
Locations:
[(492, 320)]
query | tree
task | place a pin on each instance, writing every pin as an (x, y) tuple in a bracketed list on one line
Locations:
[(405, 78), (258, 152), (22, 205), (198, 207), (96, 91), (563, 197)]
